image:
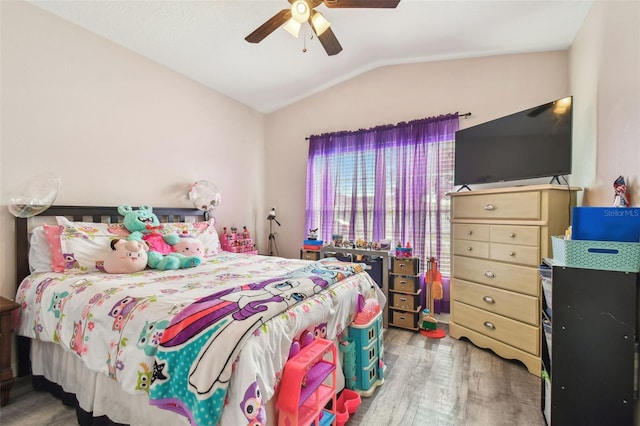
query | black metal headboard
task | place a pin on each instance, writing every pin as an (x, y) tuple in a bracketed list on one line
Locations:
[(89, 214)]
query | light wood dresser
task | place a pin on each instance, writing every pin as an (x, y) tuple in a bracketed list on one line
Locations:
[(499, 239)]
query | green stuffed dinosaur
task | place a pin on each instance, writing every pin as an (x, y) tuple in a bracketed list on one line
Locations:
[(144, 225)]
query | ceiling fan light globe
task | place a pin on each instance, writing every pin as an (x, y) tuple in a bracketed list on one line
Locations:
[(320, 24), (293, 27), (300, 11)]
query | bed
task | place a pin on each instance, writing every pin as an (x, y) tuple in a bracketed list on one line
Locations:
[(202, 345)]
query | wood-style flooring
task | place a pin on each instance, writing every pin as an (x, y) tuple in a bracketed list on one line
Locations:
[(428, 382)]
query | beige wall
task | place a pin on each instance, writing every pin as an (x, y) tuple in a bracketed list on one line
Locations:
[(115, 127), (486, 87), (605, 80)]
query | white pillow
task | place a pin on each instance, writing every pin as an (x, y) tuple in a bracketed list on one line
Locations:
[(85, 245), (39, 252)]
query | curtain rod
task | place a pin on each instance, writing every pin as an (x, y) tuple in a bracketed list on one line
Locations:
[(465, 115)]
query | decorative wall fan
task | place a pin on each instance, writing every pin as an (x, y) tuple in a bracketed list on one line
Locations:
[(303, 10)]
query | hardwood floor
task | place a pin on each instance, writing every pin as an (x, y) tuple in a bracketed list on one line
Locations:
[(438, 382), (428, 382)]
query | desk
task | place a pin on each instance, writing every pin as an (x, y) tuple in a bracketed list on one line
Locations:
[(384, 254)]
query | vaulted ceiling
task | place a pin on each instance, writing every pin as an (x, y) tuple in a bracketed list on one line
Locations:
[(205, 40)]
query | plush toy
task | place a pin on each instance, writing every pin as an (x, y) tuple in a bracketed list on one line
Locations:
[(127, 257), (189, 246), (145, 226)]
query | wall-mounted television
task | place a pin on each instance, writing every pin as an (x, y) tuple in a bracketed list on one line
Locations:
[(533, 143)]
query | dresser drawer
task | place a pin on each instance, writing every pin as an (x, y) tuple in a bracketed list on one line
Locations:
[(404, 284), (405, 266), (471, 231), (309, 255), (507, 303), (405, 319), (512, 234), (503, 329), (471, 248), (522, 279), (516, 205), (407, 302), (523, 255)]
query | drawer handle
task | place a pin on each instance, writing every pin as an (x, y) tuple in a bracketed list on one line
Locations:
[(512, 253), (469, 232), (489, 300), (512, 235), (403, 283), (489, 325), (469, 248), (489, 207), (489, 274)]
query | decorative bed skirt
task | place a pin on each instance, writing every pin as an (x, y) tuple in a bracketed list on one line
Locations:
[(98, 399)]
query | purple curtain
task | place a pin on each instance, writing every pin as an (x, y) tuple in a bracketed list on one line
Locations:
[(387, 182)]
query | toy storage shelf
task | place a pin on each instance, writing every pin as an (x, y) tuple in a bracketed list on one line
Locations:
[(315, 377), (308, 384), (369, 354), (405, 293), (235, 242)]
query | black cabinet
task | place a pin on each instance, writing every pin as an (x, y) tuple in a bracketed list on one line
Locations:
[(591, 355)]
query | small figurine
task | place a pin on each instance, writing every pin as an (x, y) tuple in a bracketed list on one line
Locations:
[(313, 234), (621, 197)]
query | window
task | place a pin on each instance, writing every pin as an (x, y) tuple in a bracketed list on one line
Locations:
[(387, 182)]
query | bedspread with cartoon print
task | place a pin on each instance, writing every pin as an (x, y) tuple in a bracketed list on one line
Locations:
[(207, 342)]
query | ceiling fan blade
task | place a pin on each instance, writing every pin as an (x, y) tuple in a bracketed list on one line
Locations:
[(270, 26), (383, 4), (330, 42)]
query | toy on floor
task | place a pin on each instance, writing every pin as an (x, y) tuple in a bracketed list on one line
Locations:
[(428, 322), (433, 283)]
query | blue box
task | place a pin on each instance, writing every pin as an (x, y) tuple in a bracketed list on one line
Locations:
[(606, 224)]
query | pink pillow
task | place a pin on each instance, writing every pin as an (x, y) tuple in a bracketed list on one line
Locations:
[(53, 239)]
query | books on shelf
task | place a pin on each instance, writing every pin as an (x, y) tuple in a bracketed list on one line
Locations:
[(312, 244)]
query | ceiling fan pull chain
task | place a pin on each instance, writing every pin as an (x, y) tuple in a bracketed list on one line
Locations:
[(304, 43)]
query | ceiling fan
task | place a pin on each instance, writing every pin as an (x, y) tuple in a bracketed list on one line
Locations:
[(303, 10)]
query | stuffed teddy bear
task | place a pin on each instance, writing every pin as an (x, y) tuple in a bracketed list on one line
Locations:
[(127, 257), (145, 226)]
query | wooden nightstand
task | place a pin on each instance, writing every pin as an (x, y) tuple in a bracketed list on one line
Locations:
[(6, 374)]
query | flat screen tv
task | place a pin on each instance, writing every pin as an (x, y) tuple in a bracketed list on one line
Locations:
[(528, 144)]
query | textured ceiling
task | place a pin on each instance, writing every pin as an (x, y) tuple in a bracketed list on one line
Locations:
[(204, 40)]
